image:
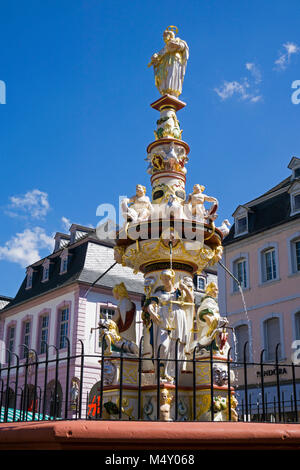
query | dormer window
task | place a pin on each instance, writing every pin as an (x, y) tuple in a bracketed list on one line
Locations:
[(64, 257), (295, 197), (78, 232), (46, 269), (29, 278), (296, 201), (297, 173), (294, 165), (240, 221), (61, 241), (241, 225)]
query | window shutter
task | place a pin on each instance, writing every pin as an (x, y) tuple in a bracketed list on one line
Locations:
[(242, 336), (272, 332)]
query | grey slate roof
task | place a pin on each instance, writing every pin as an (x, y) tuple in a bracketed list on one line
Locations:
[(98, 259), (266, 214), (87, 261)]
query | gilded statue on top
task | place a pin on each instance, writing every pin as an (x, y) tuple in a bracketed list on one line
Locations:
[(170, 63)]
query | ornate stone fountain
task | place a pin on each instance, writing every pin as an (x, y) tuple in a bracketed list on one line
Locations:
[(168, 237)]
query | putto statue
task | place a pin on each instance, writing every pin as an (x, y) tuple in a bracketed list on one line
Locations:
[(138, 207), (170, 63), (196, 201)]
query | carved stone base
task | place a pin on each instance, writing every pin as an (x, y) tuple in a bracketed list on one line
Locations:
[(193, 396)]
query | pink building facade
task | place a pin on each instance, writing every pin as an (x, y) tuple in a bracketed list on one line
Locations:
[(262, 251)]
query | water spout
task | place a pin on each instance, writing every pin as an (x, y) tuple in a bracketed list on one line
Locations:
[(239, 287), (243, 300)]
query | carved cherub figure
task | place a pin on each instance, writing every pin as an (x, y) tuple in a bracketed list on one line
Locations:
[(196, 202), (165, 405), (138, 207)]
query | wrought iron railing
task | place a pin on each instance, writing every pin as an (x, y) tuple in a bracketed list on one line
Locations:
[(40, 388)]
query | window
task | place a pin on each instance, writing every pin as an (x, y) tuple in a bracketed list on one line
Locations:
[(297, 325), (241, 225), (241, 220), (64, 264), (293, 246), (46, 267), (268, 262), (297, 202), (239, 266), (107, 313), (44, 324), (240, 272), (297, 254), (29, 279), (269, 266), (26, 338), (242, 336), (271, 337), (63, 327), (201, 283), (295, 197), (297, 173), (10, 341)]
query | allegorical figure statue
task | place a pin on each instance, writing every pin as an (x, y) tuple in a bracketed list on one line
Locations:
[(210, 323), (125, 314), (166, 311), (170, 63), (114, 341)]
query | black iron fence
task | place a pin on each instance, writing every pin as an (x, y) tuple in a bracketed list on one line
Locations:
[(67, 386)]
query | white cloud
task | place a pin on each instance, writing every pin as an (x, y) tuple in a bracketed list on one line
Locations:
[(33, 204), (255, 72), (289, 48), (24, 248), (66, 223), (246, 88)]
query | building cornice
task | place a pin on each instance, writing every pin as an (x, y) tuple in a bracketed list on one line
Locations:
[(57, 292), (36, 300), (260, 234), (266, 304)]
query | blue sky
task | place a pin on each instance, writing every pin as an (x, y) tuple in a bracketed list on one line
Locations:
[(77, 118)]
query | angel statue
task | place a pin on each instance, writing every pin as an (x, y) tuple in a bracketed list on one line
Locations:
[(170, 63)]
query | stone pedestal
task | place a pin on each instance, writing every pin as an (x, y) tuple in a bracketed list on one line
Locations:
[(124, 384)]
